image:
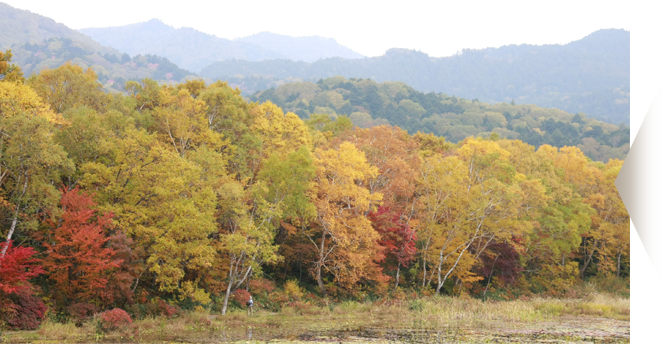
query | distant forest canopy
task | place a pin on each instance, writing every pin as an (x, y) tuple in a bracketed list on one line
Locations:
[(591, 75), (368, 103), (195, 50)]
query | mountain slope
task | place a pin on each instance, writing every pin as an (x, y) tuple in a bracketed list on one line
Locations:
[(38, 42), (308, 49), (186, 47), (591, 75), (195, 50), (18, 27)]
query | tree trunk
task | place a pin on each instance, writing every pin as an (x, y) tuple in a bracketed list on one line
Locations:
[(11, 232), (439, 286), (491, 274), (318, 268), (619, 263), (398, 274), (423, 282), (248, 281), (488, 284), (439, 270), (228, 290), (588, 259)]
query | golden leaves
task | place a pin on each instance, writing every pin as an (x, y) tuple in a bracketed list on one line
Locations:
[(16, 98)]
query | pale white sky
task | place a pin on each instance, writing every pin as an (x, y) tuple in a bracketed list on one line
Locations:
[(439, 28)]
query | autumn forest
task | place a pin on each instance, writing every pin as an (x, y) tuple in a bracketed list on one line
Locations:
[(166, 198)]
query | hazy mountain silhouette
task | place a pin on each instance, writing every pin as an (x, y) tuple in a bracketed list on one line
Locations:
[(194, 50), (38, 42), (308, 49)]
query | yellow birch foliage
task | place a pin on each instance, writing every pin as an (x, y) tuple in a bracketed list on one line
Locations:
[(161, 200), (69, 86), (181, 122), (279, 133), (345, 241), (19, 98)]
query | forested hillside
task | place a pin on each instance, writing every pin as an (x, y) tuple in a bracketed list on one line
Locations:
[(38, 42), (368, 103), (590, 75), (18, 27), (183, 196)]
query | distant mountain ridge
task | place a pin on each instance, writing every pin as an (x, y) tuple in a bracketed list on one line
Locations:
[(194, 50), (307, 49), (38, 42), (18, 27), (591, 75)]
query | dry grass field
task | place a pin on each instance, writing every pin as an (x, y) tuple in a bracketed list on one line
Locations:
[(595, 318)]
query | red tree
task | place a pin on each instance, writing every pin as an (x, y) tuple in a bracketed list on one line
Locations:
[(19, 308), (398, 239), (77, 260), (17, 266)]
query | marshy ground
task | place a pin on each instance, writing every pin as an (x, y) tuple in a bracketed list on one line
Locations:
[(596, 318)]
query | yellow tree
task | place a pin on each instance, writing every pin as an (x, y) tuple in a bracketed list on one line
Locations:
[(554, 207), (468, 202), (441, 181), (180, 122), (31, 163), (276, 189), (396, 155), (69, 86), (608, 239), (343, 237), (9, 72), (161, 200)]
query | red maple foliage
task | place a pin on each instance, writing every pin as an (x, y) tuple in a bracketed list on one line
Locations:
[(17, 266), (398, 239), (19, 308), (22, 310), (78, 260), (501, 260), (115, 319)]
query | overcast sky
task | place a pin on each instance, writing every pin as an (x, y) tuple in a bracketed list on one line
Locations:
[(368, 27)]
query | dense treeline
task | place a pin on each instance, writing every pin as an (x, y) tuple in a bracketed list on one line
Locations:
[(368, 103), (186, 195)]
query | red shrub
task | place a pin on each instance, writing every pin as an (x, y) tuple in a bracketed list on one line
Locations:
[(115, 319), (16, 267), (241, 296), (261, 286), (166, 309), (24, 311)]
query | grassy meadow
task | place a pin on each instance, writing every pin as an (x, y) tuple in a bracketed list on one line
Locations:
[(596, 317)]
